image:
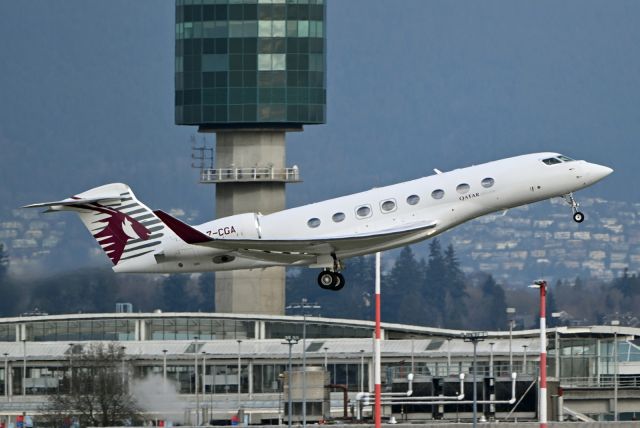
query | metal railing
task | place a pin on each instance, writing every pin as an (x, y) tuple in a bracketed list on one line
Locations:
[(221, 175), (603, 381)]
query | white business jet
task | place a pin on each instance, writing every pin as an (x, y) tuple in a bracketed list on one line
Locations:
[(323, 234)]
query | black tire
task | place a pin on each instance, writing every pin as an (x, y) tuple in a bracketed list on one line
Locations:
[(578, 217), (339, 284), (326, 280)]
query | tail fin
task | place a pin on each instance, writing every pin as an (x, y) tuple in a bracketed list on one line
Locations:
[(124, 227)]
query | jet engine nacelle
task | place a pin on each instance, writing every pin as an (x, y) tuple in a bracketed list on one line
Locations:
[(239, 226)]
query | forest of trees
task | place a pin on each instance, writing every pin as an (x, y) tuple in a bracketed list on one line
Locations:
[(429, 290)]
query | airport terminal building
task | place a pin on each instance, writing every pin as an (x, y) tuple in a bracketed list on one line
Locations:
[(215, 364)]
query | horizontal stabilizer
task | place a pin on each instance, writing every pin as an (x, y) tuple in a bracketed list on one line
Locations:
[(71, 202), (104, 195), (187, 233)]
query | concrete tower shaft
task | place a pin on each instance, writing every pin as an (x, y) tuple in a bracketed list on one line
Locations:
[(251, 159)]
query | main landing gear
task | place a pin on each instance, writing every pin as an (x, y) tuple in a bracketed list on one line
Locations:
[(332, 279), (329, 280), (578, 217)]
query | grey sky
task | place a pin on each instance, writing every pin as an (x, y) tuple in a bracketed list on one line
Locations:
[(86, 91)]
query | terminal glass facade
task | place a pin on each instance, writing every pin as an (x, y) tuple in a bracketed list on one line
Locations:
[(240, 63)]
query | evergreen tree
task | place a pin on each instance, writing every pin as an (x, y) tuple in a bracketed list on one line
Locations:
[(405, 300), (405, 272), (436, 280), (175, 294), (206, 286), (494, 305), (455, 283)]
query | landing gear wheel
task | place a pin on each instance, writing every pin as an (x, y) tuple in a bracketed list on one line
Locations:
[(578, 217), (328, 280), (325, 280)]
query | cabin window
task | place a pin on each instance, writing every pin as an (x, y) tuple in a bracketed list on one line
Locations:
[(338, 217), (551, 161), (313, 222), (388, 206), (487, 182), (413, 199), (462, 188), (363, 211), (437, 194)]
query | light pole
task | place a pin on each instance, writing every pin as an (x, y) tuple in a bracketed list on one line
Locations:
[(70, 368), (556, 345), (492, 396), (362, 370), (326, 358), (491, 344), (239, 372), (511, 312), (304, 304), (122, 349), (6, 374), (449, 356), (164, 369), (290, 340), (542, 286), (24, 367), (475, 337), (204, 372), (615, 324), (195, 379)]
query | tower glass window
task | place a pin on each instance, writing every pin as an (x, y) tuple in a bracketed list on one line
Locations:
[(250, 64)]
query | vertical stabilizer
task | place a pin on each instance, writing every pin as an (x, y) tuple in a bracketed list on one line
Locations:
[(124, 227)]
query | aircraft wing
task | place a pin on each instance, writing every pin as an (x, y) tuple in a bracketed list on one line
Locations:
[(291, 248)]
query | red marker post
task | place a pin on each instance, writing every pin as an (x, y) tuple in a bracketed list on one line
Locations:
[(377, 376), (542, 285)]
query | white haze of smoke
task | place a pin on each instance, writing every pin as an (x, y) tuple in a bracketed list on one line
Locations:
[(162, 401)]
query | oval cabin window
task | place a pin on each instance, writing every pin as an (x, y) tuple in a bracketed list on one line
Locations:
[(313, 222), (462, 188), (437, 194), (363, 211), (388, 206), (413, 199), (338, 217), (487, 182)]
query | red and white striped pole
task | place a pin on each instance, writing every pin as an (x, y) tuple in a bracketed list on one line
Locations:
[(542, 285), (377, 376)]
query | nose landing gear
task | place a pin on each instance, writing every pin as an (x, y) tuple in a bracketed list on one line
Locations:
[(578, 216)]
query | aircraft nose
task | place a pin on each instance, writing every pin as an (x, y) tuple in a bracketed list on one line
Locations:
[(598, 172)]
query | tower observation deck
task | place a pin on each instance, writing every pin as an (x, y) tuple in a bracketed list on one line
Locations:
[(249, 71)]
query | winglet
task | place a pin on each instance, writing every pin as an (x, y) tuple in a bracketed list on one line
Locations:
[(187, 233)]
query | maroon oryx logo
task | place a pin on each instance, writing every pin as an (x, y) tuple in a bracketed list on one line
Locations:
[(119, 230)]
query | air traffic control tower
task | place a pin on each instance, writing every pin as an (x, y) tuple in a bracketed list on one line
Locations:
[(250, 71)]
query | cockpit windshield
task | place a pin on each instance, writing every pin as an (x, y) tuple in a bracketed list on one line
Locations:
[(557, 159), (551, 161)]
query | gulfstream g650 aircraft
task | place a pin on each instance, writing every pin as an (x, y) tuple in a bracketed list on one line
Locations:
[(321, 235)]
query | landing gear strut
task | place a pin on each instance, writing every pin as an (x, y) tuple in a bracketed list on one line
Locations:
[(578, 217), (332, 279)]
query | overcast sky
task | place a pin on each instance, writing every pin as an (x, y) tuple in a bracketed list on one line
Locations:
[(86, 90)]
